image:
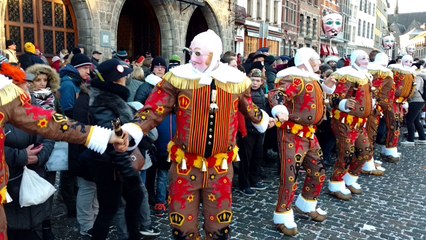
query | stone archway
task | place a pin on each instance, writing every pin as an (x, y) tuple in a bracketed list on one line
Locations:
[(138, 29)]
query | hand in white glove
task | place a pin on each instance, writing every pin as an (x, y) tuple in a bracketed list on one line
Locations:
[(405, 106)]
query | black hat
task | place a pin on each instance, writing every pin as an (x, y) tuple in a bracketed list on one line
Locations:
[(9, 43), (112, 70), (96, 52), (80, 60), (158, 61), (76, 51), (259, 54)]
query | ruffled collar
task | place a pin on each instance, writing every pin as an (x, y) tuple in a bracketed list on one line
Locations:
[(222, 73)]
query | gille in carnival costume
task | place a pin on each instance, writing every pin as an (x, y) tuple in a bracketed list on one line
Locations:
[(352, 105), (405, 81), (16, 108), (383, 94), (298, 103), (206, 96)]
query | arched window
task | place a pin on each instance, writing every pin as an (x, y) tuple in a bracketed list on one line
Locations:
[(49, 24)]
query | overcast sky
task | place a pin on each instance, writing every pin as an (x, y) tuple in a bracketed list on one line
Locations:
[(406, 6)]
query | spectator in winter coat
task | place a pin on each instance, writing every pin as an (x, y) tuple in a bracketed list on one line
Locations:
[(72, 76), (29, 57), (10, 51)]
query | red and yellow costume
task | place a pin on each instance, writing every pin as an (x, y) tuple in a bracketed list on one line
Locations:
[(16, 108), (349, 127), (384, 95), (204, 146), (299, 92), (405, 81)]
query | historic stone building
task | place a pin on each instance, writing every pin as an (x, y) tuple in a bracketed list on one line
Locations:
[(162, 27)]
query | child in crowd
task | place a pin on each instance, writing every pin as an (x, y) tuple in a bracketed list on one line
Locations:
[(251, 145)]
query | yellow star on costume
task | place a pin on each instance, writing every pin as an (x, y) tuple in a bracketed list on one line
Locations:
[(160, 109), (190, 198), (212, 197), (42, 123)]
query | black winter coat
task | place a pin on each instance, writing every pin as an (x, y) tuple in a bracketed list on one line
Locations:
[(107, 103), (16, 157), (145, 89), (258, 97), (29, 59)]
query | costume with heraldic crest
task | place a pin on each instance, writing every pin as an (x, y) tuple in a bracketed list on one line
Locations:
[(405, 81), (383, 96), (299, 96), (206, 96), (16, 108), (352, 105)]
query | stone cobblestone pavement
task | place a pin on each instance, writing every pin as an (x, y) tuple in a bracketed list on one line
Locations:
[(392, 207)]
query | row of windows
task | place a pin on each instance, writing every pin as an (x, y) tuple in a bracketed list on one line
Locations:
[(290, 12), (367, 29), (307, 29), (256, 13), (366, 7)]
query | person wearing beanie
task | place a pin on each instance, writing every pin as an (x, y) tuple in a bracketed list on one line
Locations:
[(383, 96), (107, 102), (56, 63), (292, 103), (29, 57), (405, 81), (270, 72), (352, 106), (174, 61), (96, 57), (121, 55), (158, 69), (207, 93), (72, 76), (10, 52), (17, 106)]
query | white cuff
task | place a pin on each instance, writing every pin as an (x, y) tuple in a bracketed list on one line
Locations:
[(327, 89), (350, 180), (279, 109), (98, 139), (135, 132), (306, 205), (369, 165), (342, 106), (338, 186), (286, 218), (263, 125)]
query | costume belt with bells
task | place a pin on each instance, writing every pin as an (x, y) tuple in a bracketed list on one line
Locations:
[(184, 159), (297, 129), (352, 121)]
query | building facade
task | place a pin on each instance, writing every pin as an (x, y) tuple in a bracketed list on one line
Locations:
[(309, 24), (381, 27), (290, 26), (366, 23), (162, 27), (261, 27)]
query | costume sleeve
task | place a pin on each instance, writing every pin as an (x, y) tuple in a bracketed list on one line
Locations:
[(35, 120), (258, 117), (387, 93), (157, 107), (286, 89), (341, 93)]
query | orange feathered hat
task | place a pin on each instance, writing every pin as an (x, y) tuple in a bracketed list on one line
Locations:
[(15, 73)]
